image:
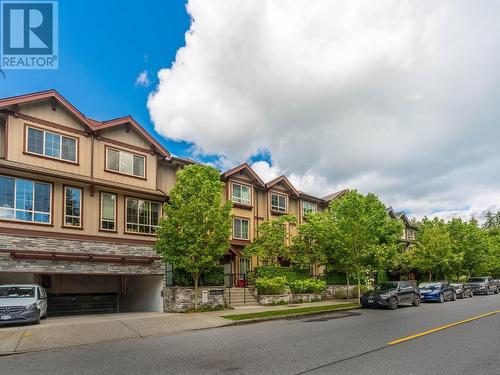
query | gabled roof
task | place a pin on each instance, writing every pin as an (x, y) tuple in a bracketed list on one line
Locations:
[(91, 124), (310, 197), (401, 215), (244, 167), (284, 180), (335, 195)]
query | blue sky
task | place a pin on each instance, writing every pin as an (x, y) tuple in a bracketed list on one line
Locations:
[(103, 46)]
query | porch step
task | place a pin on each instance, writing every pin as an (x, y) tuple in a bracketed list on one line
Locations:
[(242, 296)]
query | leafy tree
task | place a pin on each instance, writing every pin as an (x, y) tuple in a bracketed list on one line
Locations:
[(272, 240), (433, 253), (194, 233), (308, 245), (362, 233)]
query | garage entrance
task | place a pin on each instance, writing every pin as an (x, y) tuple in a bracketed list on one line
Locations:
[(70, 294)]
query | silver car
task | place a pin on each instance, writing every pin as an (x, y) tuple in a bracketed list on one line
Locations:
[(22, 304)]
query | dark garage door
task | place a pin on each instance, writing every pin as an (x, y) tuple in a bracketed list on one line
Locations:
[(73, 304)]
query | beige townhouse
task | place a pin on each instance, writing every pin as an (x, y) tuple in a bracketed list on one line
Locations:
[(80, 200)]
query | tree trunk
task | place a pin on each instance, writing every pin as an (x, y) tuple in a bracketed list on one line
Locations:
[(430, 276), (348, 287), (196, 277), (359, 290)]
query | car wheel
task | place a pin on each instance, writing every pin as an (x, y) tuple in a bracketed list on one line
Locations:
[(441, 297), (45, 316), (393, 303), (416, 301), (37, 321), (496, 291), (454, 296), (471, 294)]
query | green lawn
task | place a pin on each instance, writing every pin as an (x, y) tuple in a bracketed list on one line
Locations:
[(297, 311)]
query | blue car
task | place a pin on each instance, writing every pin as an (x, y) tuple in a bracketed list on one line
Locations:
[(439, 291)]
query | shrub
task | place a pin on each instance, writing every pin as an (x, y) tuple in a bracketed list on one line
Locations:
[(291, 274), (340, 293), (308, 286), (271, 285), (211, 277), (354, 291)]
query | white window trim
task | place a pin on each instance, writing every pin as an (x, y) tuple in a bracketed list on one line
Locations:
[(101, 194), (14, 209), (243, 185), (313, 203), (119, 162), (60, 158), (241, 219), (160, 214), (72, 216), (277, 207)]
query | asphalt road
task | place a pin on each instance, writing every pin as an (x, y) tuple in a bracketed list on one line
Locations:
[(354, 342)]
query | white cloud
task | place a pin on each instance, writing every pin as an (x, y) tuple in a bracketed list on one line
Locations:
[(143, 79), (398, 98)]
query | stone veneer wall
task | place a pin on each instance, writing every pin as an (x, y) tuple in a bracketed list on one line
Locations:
[(10, 242), (306, 297), (268, 299), (181, 299)]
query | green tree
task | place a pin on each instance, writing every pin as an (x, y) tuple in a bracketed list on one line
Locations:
[(362, 233), (433, 253), (272, 240), (194, 233), (308, 245)]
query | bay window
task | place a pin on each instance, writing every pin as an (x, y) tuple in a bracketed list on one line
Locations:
[(50, 144), (25, 200), (142, 216)]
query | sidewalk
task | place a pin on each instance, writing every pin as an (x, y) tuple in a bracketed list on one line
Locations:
[(62, 332)]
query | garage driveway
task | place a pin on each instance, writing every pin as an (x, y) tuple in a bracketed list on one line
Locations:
[(61, 332)]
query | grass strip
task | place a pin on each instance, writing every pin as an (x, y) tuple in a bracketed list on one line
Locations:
[(290, 311)]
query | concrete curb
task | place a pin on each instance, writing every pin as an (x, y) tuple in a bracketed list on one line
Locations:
[(289, 316)]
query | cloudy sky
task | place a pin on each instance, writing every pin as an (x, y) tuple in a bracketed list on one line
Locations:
[(395, 97)]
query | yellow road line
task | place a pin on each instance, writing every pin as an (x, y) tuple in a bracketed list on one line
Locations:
[(407, 338)]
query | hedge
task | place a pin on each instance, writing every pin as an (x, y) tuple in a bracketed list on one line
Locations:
[(271, 285), (308, 286)]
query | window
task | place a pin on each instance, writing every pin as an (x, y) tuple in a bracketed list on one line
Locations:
[(125, 162), (108, 212), (308, 207), (142, 216), (278, 202), (410, 233), (240, 228), (52, 145), (25, 200), (241, 194), (72, 207)]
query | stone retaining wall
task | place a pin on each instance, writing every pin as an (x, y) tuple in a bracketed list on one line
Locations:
[(181, 299), (274, 299), (306, 297)]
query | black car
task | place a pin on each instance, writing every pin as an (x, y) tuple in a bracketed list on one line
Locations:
[(482, 285), (391, 294), (437, 291), (462, 290)]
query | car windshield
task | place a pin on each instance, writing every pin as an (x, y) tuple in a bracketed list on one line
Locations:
[(429, 285), (386, 286), (477, 279), (16, 292)]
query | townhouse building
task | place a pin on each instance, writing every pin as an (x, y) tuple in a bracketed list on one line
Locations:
[(80, 200)]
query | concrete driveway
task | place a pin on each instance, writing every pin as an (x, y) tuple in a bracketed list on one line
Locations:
[(60, 332)]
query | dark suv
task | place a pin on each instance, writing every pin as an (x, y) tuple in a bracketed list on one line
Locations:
[(391, 294), (482, 285)]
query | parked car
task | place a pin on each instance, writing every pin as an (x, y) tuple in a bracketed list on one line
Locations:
[(483, 285), (22, 304), (438, 291), (462, 290), (391, 294)]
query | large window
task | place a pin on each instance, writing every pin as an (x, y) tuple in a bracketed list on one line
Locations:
[(240, 228), (142, 216), (108, 212), (278, 202), (125, 162), (308, 207), (52, 145), (72, 207), (241, 194), (25, 200)]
